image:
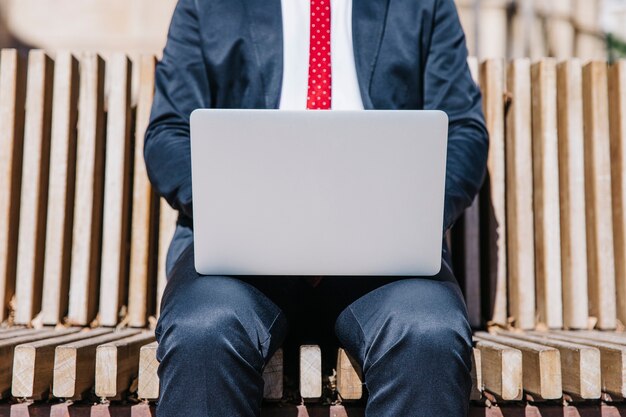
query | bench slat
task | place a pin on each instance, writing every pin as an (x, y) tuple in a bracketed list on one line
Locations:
[(310, 371), (34, 195), (117, 186), (12, 98), (143, 228), (74, 364), (87, 229), (617, 113), (519, 197), (600, 250), (18, 332), (167, 227), (541, 366), (580, 365), (612, 360), (601, 336), (349, 377), (148, 379), (117, 364), (492, 85), (546, 194), (572, 194), (273, 377), (60, 215), (33, 364), (7, 351), (477, 376), (501, 368)]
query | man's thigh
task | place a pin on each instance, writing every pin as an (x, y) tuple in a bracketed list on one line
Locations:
[(282, 291), (190, 300)]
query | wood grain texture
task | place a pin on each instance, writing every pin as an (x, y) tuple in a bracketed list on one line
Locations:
[(617, 118), (33, 364), (541, 366), (580, 365), (492, 86), (612, 361), (7, 350), (117, 364), (572, 194), (273, 377), (87, 228), (349, 377), (600, 250), (144, 217), (601, 336), (12, 98), (148, 383), (117, 187), (546, 194), (60, 217), (519, 197), (18, 332), (310, 371), (75, 364), (501, 369), (4, 330), (34, 193), (167, 227)]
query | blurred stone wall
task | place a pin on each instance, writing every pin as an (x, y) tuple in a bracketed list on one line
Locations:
[(132, 26), (494, 28), (535, 28)]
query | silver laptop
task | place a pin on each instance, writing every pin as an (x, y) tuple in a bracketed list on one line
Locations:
[(318, 192)]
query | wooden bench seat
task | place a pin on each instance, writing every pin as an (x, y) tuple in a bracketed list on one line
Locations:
[(106, 364), (68, 363), (540, 255)]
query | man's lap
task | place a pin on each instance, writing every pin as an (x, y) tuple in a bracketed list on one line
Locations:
[(311, 312)]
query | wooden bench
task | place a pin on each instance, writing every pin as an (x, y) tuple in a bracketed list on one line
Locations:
[(540, 254)]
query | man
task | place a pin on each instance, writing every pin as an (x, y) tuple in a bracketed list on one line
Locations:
[(410, 335)]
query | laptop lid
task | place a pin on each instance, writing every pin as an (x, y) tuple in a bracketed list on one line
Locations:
[(318, 192)]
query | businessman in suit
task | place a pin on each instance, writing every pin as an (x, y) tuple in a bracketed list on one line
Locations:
[(410, 335)]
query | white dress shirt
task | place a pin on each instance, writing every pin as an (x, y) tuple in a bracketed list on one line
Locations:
[(296, 25)]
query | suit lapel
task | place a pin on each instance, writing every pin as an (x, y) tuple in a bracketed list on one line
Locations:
[(368, 24), (266, 30)]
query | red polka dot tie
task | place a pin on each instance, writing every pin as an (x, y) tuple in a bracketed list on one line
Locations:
[(319, 92)]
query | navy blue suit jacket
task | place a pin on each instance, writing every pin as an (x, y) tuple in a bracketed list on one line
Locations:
[(409, 54)]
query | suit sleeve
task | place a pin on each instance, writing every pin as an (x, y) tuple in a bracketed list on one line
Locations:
[(448, 86), (181, 86)]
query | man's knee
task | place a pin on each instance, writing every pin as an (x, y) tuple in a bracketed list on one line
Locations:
[(212, 338), (417, 316), (208, 315), (196, 329)]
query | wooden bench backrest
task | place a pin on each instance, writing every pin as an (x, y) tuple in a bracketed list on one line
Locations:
[(79, 224), (551, 214), (83, 236)]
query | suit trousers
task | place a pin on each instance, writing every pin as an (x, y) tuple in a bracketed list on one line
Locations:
[(410, 335)]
